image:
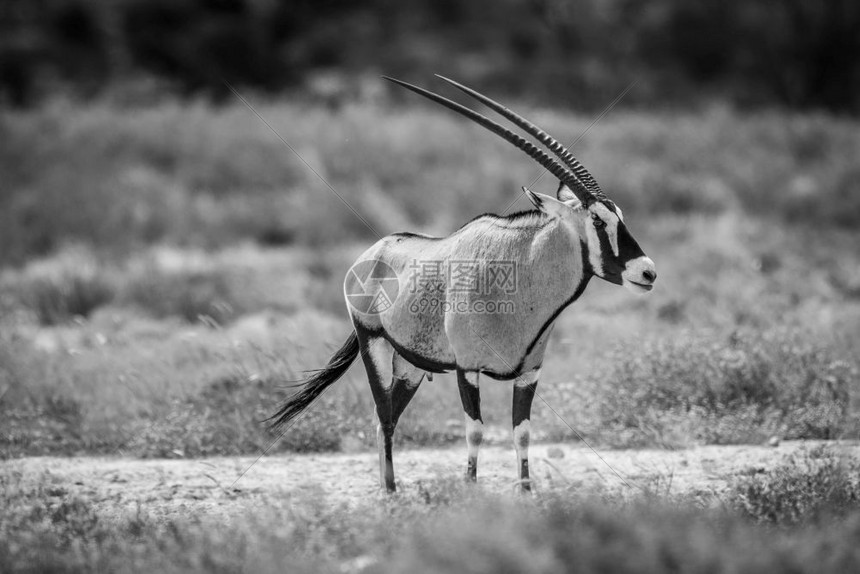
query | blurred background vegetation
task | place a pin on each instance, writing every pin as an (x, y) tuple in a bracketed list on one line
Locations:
[(167, 264), (801, 54)]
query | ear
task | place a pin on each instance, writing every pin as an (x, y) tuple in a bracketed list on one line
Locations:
[(565, 194), (546, 203)]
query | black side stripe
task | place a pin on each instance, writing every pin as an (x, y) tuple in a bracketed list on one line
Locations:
[(433, 366)]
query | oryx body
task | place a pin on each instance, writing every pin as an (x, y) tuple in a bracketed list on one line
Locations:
[(501, 330)]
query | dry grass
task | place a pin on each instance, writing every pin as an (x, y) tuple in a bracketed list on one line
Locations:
[(167, 269), (745, 387), (446, 526), (814, 486), (199, 175)]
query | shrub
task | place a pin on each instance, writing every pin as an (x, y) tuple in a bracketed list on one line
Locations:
[(198, 175), (71, 284), (191, 295), (228, 418), (58, 300), (841, 208), (564, 535), (443, 527), (810, 486), (760, 384)]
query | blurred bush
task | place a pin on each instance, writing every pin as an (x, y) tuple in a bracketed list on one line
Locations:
[(193, 296), (810, 486), (206, 176), (798, 53), (437, 526), (58, 291), (744, 388)]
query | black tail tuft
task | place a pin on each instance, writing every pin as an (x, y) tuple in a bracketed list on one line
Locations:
[(316, 384)]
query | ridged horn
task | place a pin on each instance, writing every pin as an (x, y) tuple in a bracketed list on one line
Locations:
[(550, 142), (554, 167), (554, 146)]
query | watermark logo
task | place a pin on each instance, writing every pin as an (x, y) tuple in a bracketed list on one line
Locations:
[(371, 286), (424, 305), (475, 276), (434, 286)]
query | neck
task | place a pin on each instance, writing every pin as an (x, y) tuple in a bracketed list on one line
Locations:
[(562, 251), (552, 259), (559, 272)]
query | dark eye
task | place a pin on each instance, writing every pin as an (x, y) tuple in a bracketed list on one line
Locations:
[(599, 223)]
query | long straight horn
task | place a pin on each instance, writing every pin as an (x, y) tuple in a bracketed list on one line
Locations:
[(555, 168), (554, 146)]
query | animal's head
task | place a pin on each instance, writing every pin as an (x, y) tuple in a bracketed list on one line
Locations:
[(612, 252)]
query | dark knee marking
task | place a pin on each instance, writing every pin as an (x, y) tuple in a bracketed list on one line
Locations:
[(524, 393), (470, 395), (522, 402), (475, 437)]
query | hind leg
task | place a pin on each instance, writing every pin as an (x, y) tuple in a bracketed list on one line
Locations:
[(406, 381), (470, 396), (377, 355), (393, 382)]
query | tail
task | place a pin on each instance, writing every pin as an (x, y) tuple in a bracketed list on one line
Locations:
[(319, 382)]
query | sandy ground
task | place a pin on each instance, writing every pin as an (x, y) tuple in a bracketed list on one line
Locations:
[(218, 487)]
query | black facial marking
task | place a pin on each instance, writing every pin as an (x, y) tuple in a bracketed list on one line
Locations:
[(612, 266), (628, 249)]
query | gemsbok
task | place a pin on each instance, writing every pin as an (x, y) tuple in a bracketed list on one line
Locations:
[(481, 301)]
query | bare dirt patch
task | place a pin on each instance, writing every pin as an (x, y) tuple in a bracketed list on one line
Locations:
[(218, 487)]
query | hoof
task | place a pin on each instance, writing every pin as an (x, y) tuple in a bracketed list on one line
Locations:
[(472, 471)]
